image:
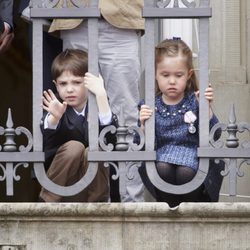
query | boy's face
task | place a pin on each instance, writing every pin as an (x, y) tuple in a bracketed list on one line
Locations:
[(71, 89)]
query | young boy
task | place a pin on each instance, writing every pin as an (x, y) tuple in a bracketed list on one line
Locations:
[(119, 31), (65, 127)]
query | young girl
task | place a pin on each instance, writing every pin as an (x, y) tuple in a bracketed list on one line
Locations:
[(176, 118)]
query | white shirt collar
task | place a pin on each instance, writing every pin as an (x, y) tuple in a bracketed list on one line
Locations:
[(82, 112)]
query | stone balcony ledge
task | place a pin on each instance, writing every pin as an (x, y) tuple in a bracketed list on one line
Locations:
[(124, 226), (147, 211)]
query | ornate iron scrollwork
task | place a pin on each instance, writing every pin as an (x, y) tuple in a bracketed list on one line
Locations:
[(242, 127), (102, 142), (163, 4), (65, 190), (233, 163), (166, 3), (232, 128), (11, 155), (9, 146), (3, 177), (42, 3), (53, 3), (124, 136), (117, 173), (81, 3), (125, 142), (9, 174), (9, 132)]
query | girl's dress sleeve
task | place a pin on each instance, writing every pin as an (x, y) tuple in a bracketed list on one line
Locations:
[(214, 120)]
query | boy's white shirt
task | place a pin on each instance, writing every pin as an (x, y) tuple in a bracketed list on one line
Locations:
[(104, 119)]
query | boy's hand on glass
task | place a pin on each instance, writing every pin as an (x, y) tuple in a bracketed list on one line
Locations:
[(53, 106), (94, 84), (145, 113)]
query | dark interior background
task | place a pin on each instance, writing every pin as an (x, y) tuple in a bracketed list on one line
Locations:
[(16, 93)]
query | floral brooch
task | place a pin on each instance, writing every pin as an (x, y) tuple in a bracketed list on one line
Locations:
[(190, 118)]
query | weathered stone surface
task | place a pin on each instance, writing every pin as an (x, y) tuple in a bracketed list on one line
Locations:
[(125, 226)]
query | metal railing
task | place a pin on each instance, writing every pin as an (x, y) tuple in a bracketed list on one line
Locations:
[(125, 150)]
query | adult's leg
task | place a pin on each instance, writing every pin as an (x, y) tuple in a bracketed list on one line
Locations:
[(120, 68), (133, 183), (119, 65), (76, 38)]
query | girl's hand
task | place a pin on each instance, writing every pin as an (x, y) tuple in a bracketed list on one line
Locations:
[(53, 106), (209, 93), (94, 84), (145, 114)]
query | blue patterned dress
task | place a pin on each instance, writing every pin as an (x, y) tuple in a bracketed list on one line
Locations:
[(174, 143)]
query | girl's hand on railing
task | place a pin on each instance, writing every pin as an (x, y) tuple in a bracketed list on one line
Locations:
[(145, 113)]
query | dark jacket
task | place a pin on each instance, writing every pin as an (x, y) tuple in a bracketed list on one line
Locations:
[(6, 11), (22, 5), (70, 127)]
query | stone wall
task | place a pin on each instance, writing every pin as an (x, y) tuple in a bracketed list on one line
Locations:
[(229, 71), (129, 226)]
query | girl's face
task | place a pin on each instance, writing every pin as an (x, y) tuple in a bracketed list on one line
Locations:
[(172, 75)]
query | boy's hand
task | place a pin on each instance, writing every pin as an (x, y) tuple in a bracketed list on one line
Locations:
[(53, 106), (145, 113), (94, 84)]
